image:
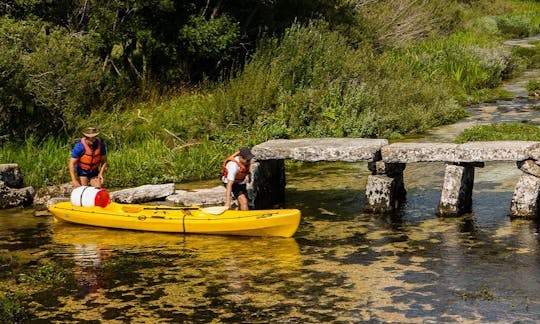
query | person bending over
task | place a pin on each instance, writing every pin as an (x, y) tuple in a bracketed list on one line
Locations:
[(235, 175), (88, 160)]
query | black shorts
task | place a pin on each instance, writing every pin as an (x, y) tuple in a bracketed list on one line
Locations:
[(238, 190), (90, 174)]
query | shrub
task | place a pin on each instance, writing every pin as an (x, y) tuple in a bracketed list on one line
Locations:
[(49, 79), (518, 26)]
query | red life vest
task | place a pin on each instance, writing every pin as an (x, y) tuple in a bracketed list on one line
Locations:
[(241, 174), (91, 158)]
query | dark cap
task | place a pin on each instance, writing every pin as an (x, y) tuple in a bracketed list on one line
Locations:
[(245, 152)]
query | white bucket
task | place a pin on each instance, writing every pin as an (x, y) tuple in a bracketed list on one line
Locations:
[(86, 196)]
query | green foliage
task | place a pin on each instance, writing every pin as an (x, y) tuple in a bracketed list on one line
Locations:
[(209, 38), (43, 163), (311, 83), (519, 25), (530, 55), (470, 62), (534, 87), (500, 132), (47, 80), (12, 308), (48, 273)]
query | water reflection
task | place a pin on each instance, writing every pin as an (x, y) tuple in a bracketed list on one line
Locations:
[(173, 274)]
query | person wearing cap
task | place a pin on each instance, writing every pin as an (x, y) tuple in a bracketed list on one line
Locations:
[(88, 160), (235, 175)]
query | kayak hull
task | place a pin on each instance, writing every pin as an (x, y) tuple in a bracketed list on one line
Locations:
[(271, 222)]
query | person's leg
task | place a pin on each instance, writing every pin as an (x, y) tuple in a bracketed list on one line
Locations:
[(83, 180), (94, 182), (240, 192), (243, 202)]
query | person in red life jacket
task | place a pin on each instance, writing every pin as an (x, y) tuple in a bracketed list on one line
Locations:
[(88, 160), (235, 175)]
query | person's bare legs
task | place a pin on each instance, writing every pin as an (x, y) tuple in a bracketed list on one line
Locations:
[(94, 182), (83, 180), (243, 202)]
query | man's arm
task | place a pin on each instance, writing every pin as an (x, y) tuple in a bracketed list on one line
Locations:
[(102, 168), (74, 181), (228, 194)]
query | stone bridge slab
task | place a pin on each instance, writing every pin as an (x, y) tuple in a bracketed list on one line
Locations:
[(467, 152), (321, 149), (418, 152)]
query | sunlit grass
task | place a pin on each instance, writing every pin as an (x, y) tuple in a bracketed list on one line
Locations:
[(500, 132)]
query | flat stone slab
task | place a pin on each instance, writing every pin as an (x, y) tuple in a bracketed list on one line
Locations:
[(199, 197), (418, 152), (495, 151), (321, 149), (466, 153)]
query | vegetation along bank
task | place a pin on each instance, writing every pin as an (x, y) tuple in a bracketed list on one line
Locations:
[(176, 86)]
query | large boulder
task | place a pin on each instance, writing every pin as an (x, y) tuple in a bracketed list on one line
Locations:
[(11, 175), (13, 197), (12, 194), (46, 194)]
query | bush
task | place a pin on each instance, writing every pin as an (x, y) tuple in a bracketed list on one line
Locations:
[(519, 26), (49, 79)]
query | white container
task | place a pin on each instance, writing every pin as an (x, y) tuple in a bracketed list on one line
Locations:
[(85, 196)]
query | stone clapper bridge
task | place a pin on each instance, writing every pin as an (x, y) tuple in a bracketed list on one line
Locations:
[(385, 189)]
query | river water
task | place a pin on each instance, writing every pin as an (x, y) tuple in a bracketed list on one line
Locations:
[(342, 266)]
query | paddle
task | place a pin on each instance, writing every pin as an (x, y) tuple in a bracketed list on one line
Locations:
[(214, 210)]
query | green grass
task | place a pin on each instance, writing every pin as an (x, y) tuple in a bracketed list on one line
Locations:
[(12, 308), (500, 132), (533, 87)]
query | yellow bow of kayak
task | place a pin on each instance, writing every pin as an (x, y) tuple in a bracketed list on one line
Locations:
[(269, 222)]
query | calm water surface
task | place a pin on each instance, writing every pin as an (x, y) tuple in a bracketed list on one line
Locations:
[(342, 266)]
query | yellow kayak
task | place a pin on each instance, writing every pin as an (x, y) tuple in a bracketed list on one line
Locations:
[(269, 222)]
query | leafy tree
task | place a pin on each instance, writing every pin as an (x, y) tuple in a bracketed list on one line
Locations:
[(47, 78)]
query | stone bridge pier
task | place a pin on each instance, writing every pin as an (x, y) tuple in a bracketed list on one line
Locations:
[(385, 188)]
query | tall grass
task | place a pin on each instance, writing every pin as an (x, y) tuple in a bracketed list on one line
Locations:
[(42, 163)]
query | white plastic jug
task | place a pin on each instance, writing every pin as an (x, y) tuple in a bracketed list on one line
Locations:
[(86, 196)]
